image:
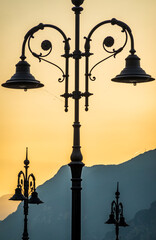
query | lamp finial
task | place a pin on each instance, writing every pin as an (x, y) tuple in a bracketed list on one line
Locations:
[(26, 161)]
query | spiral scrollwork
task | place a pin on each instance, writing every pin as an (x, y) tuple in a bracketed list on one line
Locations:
[(90, 76), (31, 182), (108, 43), (46, 45), (21, 179)]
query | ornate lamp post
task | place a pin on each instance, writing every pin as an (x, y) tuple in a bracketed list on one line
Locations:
[(28, 187), (23, 79), (116, 217)]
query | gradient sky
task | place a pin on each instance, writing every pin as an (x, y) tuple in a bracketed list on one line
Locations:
[(121, 120)]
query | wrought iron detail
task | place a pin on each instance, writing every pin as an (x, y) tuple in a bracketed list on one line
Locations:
[(109, 42), (21, 179), (46, 45)]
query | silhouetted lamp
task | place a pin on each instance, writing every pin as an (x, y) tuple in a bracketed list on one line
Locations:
[(18, 196), (34, 199), (116, 217), (22, 79), (133, 73), (28, 188)]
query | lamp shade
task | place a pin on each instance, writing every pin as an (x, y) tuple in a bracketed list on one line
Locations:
[(22, 79), (111, 219), (34, 199), (18, 196), (122, 222), (133, 73)]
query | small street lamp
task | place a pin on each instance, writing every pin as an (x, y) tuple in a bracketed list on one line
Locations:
[(26, 184), (116, 217), (23, 79)]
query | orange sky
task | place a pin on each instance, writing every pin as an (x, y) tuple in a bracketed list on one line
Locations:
[(121, 120)]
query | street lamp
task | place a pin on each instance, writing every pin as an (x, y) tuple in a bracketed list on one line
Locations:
[(23, 79), (28, 187), (116, 217)]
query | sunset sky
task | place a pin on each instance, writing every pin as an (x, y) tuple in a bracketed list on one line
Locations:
[(121, 121)]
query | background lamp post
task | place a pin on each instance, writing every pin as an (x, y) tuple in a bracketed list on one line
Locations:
[(116, 217), (28, 187), (23, 79)]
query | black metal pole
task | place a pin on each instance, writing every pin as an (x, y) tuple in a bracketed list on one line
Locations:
[(76, 164), (25, 232), (117, 194), (26, 187)]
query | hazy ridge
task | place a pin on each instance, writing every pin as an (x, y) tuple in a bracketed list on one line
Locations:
[(51, 220)]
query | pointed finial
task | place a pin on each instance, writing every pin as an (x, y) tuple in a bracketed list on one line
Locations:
[(26, 161), (26, 152), (117, 191), (117, 186)]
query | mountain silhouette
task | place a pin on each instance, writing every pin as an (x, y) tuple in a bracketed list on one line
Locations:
[(6, 206), (52, 220)]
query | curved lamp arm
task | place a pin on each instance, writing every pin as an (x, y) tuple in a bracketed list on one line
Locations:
[(121, 208), (113, 206), (46, 45), (124, 26), (41, 26), (108, 42), (20, 184), (113, 21), (34, 181)]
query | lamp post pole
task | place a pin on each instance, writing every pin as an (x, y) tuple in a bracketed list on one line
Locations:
[(116, 217), (24, 184), (76, 164), (26, 189), (23, 79)]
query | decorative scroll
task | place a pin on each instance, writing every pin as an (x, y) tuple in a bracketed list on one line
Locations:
[(108, 43), (46, 45), (21, 180), (31, 183)]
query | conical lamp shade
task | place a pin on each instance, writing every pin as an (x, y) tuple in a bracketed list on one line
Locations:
[(22, 79), (122, 222), (18, 196), (111, 219), (133, 73), (34, 199)]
